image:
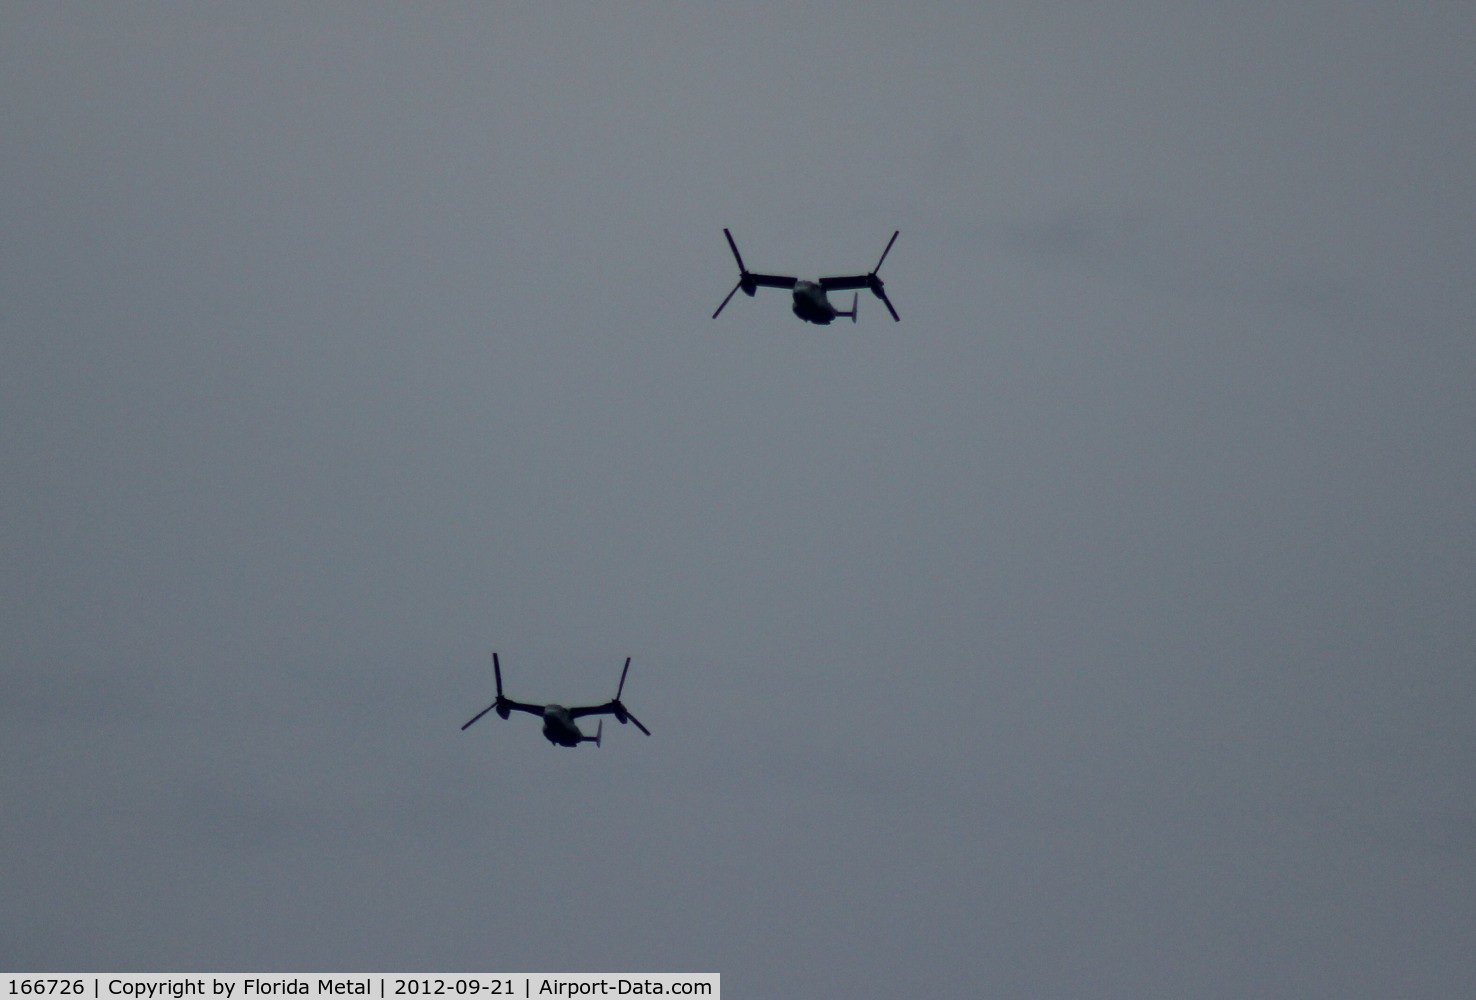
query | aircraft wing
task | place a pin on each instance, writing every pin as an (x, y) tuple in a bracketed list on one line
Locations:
[(871, 281), (750, 283), (843, 282), (772, 280), (608, 708), (516, 706)]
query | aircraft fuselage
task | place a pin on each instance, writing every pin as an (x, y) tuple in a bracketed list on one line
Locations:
[(812, 305), (559, 729)]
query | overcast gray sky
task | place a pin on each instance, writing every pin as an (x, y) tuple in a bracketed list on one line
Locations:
[(1103, 629)]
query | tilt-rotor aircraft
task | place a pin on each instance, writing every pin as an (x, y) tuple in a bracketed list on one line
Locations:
[(811, 303), (559, 727)]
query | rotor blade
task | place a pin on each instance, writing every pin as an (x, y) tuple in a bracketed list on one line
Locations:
[(642, 728), (725, 301), (622, 679), (881, 294), (496, 672), (736, 255), (886, 251), (480, 714)]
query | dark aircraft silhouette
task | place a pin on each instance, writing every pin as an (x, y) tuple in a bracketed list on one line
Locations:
[(559, 726), (810, 301)]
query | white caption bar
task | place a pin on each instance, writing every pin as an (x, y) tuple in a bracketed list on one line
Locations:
[(379, 985)]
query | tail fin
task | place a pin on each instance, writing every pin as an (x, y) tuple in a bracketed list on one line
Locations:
[(599, 729), (854, 299)]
